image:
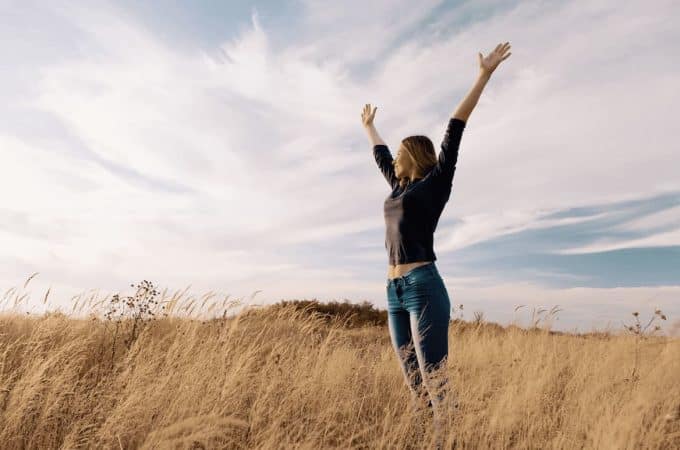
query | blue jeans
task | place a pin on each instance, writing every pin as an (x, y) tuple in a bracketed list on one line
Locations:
[(418, 314)]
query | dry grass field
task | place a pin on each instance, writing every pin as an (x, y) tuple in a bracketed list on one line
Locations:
[(286, 377)]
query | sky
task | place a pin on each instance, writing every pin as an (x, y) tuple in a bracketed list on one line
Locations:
[(218, 147)]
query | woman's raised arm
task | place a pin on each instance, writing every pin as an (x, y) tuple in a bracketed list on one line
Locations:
[(381, 152), (445, 167), (367, 116), (487, 65)]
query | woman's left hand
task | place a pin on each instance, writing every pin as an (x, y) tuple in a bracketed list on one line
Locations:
[(489, 63)]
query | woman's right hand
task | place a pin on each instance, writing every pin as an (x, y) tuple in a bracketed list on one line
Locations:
[(367, 115), (488, 63)]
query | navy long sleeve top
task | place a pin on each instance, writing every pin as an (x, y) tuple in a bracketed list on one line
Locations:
[(412, 212)]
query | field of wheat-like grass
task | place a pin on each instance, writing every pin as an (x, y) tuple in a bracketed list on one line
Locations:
[(286, 377)]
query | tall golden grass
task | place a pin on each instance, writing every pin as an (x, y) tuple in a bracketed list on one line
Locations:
[(288, 377)]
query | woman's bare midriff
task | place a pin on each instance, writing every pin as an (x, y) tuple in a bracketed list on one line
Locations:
[(401, 269)]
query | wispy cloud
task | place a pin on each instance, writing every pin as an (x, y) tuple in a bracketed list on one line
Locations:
[(213, 164), (667, 239)]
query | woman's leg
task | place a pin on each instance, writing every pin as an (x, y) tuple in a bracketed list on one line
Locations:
[(428, 302), (430, 335), (399, 324)]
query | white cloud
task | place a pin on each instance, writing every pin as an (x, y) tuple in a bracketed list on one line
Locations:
[(355, 31), (484, 226), (665, 239), (255, 130), (665, 218)]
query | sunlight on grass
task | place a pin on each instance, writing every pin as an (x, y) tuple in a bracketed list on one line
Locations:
[(153, 370)]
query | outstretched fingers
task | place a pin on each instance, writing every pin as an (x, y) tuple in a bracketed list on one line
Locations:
[(506, 47), (502, 48), (367, 114)]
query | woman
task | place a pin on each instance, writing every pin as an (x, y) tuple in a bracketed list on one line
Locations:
[(418, 302)]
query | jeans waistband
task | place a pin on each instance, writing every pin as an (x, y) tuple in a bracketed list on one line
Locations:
[(413, 273)]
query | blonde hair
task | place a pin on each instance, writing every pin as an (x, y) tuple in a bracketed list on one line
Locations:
[(421, 151)]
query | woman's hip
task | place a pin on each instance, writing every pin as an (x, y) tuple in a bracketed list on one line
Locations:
[(419, 288)]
